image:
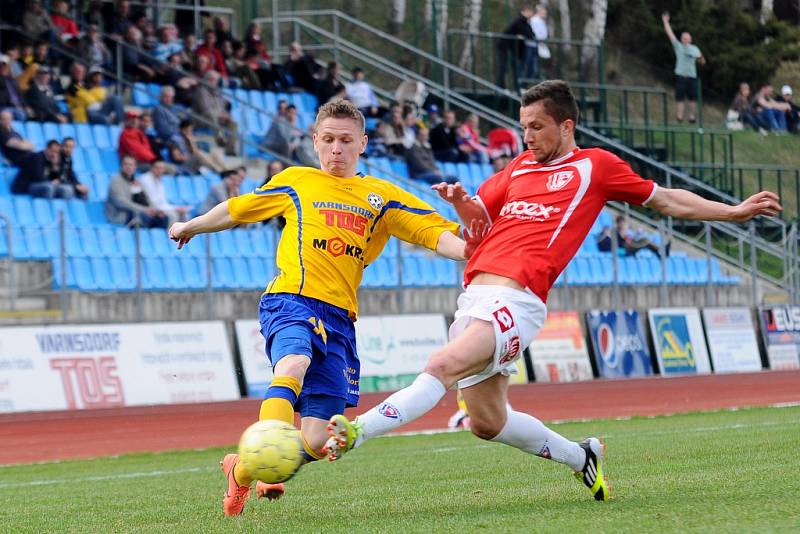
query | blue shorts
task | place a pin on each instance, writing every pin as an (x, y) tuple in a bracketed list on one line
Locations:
[(331, 381)]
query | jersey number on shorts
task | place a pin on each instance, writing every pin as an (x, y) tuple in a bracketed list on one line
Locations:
[(504, 319), (319, 328)]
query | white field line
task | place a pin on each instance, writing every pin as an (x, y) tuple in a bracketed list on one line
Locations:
[(119, 476)]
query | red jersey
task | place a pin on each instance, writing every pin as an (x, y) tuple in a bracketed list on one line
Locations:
[(541, 214)]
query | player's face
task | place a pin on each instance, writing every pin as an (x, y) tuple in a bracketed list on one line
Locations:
[(339, 143), (542, 134)]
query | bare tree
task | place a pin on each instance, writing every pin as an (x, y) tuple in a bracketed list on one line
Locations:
[(398, 16), (472, 23), (766, 10), (566, 21), (352, 7), (594, 31), (439, 8)]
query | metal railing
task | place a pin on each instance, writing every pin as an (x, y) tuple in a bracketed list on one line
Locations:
[(157, 11)]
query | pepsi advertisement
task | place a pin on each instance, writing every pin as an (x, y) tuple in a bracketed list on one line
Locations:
[(618, 344)]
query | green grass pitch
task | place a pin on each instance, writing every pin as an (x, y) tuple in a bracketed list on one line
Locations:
[(731, 471)]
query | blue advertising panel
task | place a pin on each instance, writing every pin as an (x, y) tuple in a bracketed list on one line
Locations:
[(619, 347), (679, 341), (780, 327)]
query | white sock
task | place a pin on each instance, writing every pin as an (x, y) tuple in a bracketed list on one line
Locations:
[(528, 434), (402, 406)]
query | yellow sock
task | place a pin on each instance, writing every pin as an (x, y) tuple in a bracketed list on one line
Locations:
[(241, 476), (280, 399)]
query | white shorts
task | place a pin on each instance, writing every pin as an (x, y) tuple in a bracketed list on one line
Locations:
[(517, 316)]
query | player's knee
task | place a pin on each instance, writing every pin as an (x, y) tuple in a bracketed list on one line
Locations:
[(484, 428), (315, 441), (294, 365), (441, 367)]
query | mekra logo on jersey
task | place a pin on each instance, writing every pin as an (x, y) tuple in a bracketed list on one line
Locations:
[(375, 201), (559, 180)]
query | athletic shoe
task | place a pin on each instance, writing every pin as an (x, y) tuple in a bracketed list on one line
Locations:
[(271, 492), (236, 495), (592, 472), (344, 435)]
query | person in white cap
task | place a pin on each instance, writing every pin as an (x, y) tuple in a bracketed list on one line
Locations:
[(793, 114)]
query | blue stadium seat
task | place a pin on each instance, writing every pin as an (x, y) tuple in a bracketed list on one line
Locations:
[(446, 272), (262, 270), (146, 247), (629, 270), (126, 242), (223, 245), (173, 273), (102, 140), (186, 190), (96, 212), (171, 190), (102, 274), (194, 273), (92, 159), (82, 273), (263, 240), (718, 277), (70, 282), (370, 278), (78, 214), (241, 274), (602, 271), (52, 241), (107, 241), (34, 133), (270, 101), (3, 240), (67, 129), (23, 210), (579, 272), (387, 273), (57, 206), (162, 246), (399, 168), (89, 240), (391, 249), (154, 274), (41, 211), (412, 275), (79, 161), (101, 182), (50, 131), (110, 160), (5, 185), (124, 279), (676, 271), (650, 269), (19, 243), (7, 208), (244, 247), (310, 102), (83, 135), (222, 274)]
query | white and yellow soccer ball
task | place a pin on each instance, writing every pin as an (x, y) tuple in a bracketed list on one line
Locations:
[(271, 451)]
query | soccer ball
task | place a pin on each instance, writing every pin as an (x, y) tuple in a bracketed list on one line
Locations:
[(271, 451)]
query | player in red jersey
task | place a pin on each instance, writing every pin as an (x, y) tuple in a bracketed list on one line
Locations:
[(540, 208)]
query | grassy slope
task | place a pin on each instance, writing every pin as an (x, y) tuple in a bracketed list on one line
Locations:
[(720, 472)]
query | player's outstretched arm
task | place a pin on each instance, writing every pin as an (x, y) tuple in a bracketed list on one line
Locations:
[(686, 205), (467, 208), (455, 248), (218, 218)]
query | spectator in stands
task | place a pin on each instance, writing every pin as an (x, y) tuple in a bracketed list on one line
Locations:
[(628, 242), (127, 202), (793, 113), (221, 30), (243, 65), (40, 57), (36, 23), (167, 115), (153, 185), (469, 140), (42, 175), (189, 47), (305, 154), (64, 25), (118, 22), (330, 87), (210, 49), (184, 85), (14, 63), (284, 134), (395, 133), (376, 148), (410, 126), (93, 50), (772, 112), (68, 172), (360, 93), (133, 142), (273, 167), (11, 98), (13, 146), (432, 118), (209, 103), (499, 163), (539, 50), (220, 192), (169, 43), (184, 152), (42, 101), (444, 140), (743, 106), (92, 102), (687, 56), (134, 62), (157, 145), (421, 163), (510, 44), (302, 68)]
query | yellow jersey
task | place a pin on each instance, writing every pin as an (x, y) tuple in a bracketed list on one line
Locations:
[(334, 228)]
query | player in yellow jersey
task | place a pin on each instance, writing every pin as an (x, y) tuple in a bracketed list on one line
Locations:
[(337, 222)]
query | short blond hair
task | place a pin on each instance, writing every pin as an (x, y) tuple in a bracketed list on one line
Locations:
[(340, 109)]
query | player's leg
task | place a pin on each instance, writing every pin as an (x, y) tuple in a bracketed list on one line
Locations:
[(492, 419), (467, 354)]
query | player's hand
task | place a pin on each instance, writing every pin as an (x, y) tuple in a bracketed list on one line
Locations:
[(764, 203), (179, 233), (473, 236), (665, 16), (452, 193)]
